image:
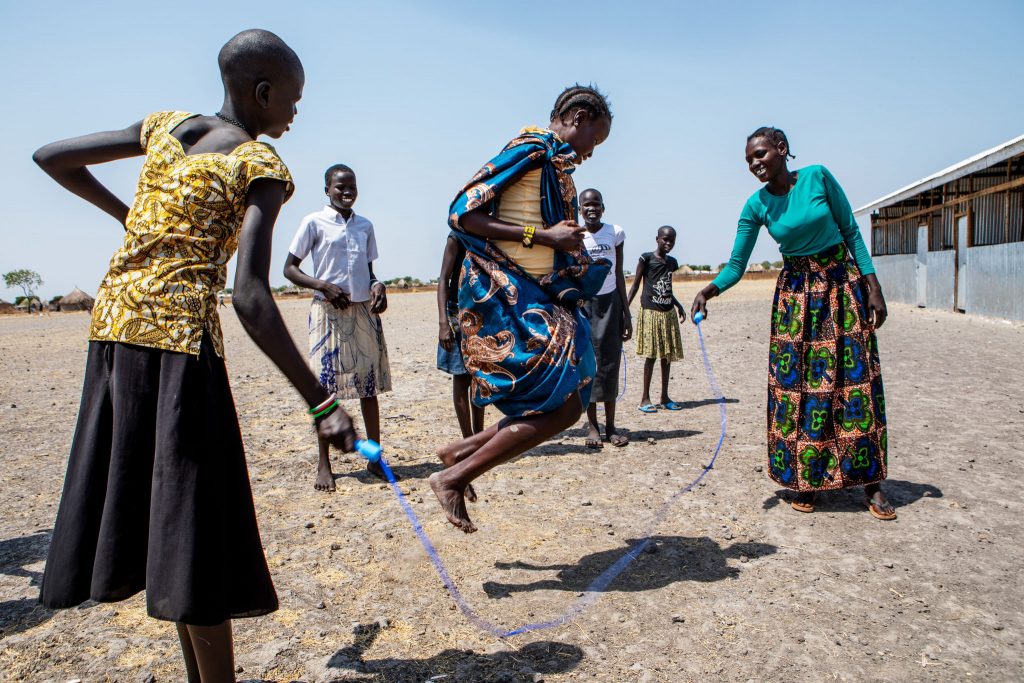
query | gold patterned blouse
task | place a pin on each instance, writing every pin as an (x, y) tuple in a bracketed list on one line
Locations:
[(161, 289)]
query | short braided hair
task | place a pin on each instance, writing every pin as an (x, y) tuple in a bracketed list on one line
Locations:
[(774, 136), (585, 97), (336, 168)]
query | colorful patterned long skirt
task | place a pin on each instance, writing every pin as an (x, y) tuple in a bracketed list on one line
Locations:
[(826, 406)]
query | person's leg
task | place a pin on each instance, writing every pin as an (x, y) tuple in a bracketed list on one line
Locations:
[(478, 416), (876, 497), (189, 653), (212, 653), (665, 366), (512, 437), (610, 433), (324, 475), (593, 432), (460, 397), (648, 372), (370, 409)]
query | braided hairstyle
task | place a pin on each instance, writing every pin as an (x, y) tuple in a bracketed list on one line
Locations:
[(585, 97), (336, 168), (774, 136)]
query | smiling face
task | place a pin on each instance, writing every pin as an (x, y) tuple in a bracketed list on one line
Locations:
[(342, 191), (591, 206), (583, 132), (765, 159)]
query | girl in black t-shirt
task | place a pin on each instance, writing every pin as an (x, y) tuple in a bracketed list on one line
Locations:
[(657, 331)]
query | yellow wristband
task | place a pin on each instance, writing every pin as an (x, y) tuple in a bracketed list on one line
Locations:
[(528, 233)]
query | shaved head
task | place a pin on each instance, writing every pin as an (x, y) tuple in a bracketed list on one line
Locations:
[(591, 192), (253, 56)]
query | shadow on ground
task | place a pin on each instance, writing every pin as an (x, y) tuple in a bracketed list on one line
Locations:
[(900, 493), (15, 553), (666, 560), (513, 666)]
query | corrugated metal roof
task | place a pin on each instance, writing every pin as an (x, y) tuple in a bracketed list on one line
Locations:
[(958, 170)]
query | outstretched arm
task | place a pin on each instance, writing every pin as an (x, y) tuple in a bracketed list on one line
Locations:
[(259, 314), (66, 160)]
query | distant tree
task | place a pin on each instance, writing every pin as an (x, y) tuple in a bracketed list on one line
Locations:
[(28, 280), (778, 265), (767, 265), (721, 266), (56, 299)]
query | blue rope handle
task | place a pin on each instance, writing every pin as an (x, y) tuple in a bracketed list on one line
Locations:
[(372, 452)]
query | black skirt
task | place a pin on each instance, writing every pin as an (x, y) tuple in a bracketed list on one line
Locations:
[(605, 314), (157, 495)]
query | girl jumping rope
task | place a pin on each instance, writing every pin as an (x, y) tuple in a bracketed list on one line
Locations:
[(524, 278)]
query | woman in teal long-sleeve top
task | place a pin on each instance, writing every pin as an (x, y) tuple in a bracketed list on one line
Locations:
[(826, 405)]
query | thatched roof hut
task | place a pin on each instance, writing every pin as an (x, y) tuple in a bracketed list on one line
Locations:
[(76, 300), (685, 270), (755, 268)]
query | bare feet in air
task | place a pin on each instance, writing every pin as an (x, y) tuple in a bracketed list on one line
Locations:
[(449, 455), (452, 502), (325, 479)]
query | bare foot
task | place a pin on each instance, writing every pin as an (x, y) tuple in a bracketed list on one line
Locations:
[(452, 502), (593, 438), (449, 455), (325, 480)]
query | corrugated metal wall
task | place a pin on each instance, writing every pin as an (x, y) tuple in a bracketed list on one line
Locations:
[(995, 218), (897, 276), (992, 270), (939, 290), (996, 281)]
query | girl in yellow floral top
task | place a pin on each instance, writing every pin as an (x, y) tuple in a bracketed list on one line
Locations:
[(157, 431)]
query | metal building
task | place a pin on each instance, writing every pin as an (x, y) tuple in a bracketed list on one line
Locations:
[(955, 240)]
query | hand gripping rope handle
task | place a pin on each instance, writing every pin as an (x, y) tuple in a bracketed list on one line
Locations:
[(372, 452)]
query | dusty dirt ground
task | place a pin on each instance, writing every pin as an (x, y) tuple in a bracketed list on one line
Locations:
[(739, 586)]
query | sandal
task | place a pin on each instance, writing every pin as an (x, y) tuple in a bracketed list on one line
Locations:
[(647, 408), (877, 512), (593, 443), (804, 502), (671, 405), (617, 440)]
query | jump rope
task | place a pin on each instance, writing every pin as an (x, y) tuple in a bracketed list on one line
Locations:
[(372, 452)]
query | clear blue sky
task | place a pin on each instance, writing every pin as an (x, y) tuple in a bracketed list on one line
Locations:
[(416, 96)]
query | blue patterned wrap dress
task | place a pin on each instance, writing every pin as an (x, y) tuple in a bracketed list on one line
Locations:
[(525, 340)]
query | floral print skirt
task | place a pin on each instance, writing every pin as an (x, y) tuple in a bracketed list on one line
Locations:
[(347, 350), (826, 405)]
